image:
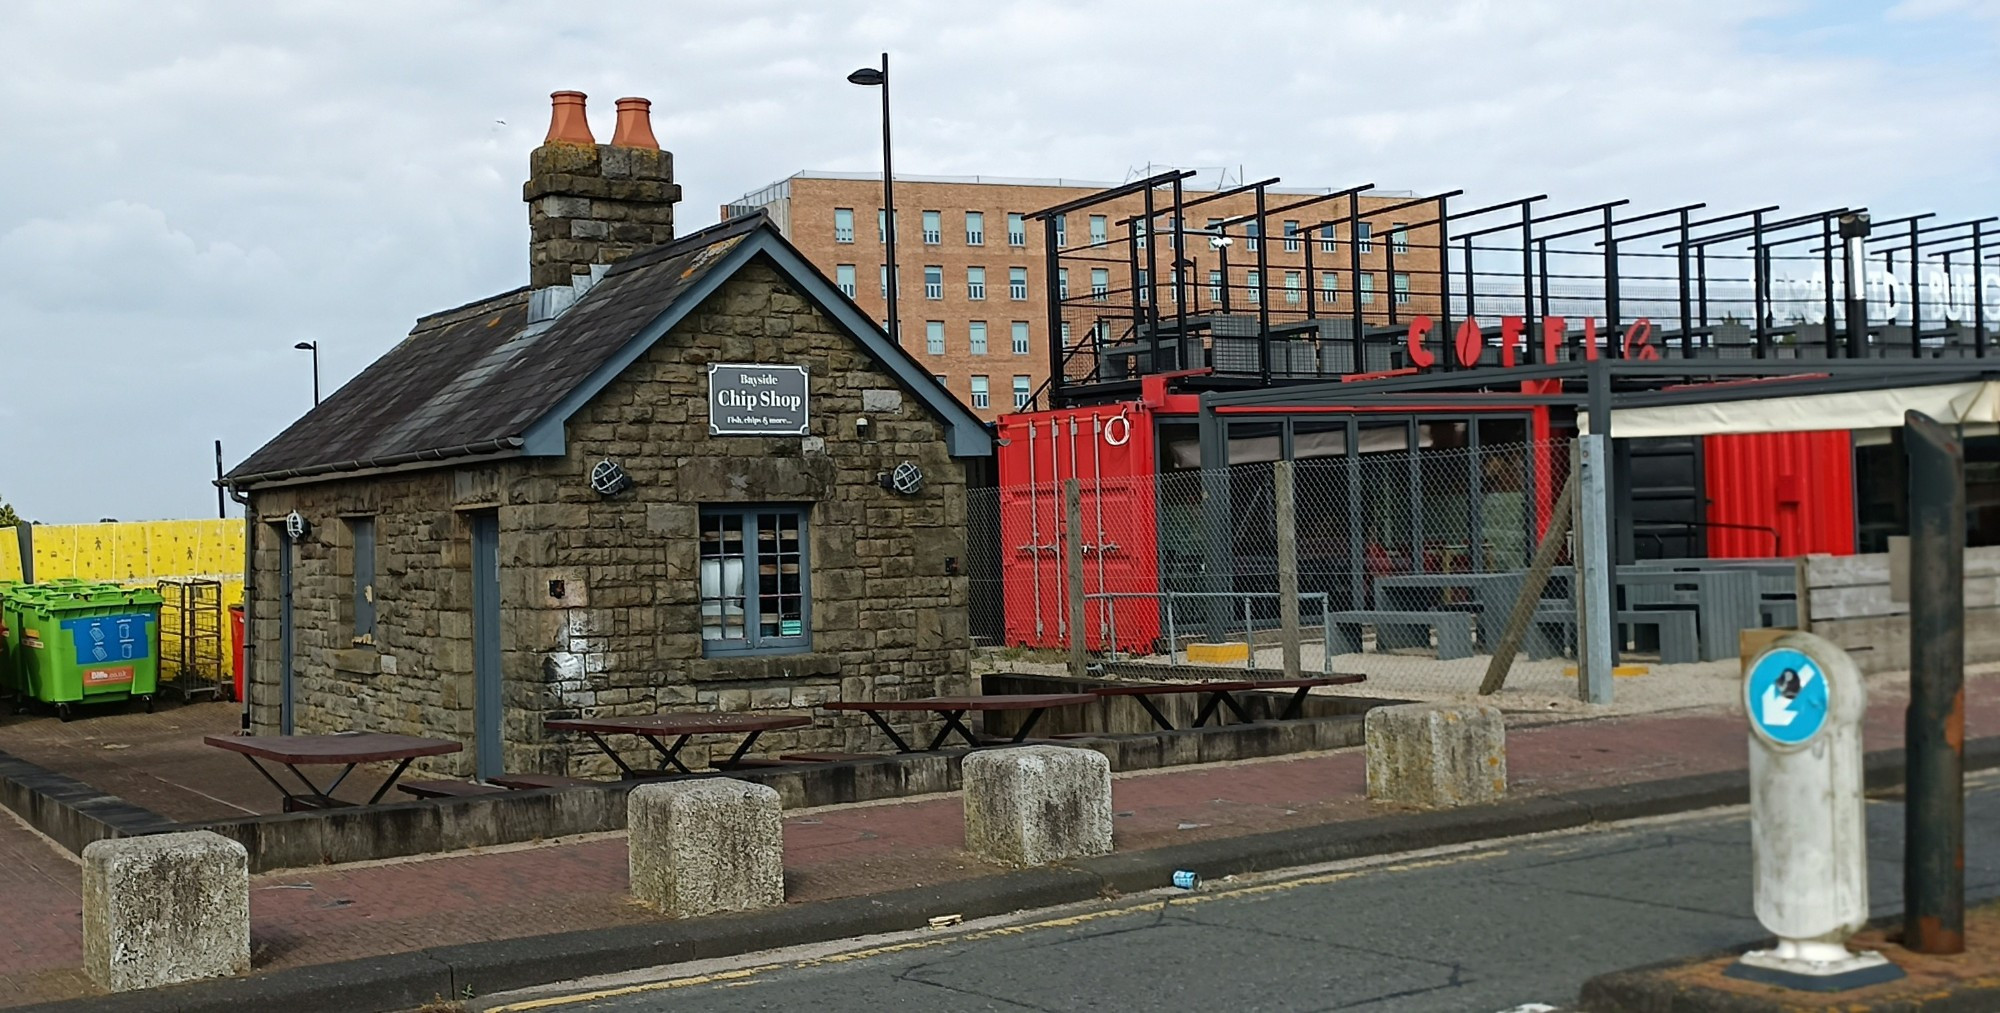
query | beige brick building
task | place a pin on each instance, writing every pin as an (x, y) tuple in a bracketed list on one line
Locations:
[(972, 266)]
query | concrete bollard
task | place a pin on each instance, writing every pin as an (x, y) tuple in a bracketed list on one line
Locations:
[(164, 909), (1032, 805), (1436, 755), (699, 847)]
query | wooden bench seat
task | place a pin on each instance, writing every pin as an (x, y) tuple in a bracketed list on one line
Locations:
[(446, 789), (1403, 629)]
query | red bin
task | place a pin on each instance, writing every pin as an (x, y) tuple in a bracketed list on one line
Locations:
[(236, 647)]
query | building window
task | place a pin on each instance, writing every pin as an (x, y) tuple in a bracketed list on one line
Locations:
[(976, 337), (1065, 334), (1100, 282), (1062, 231), (1017, 230), (1364, 237), (1022, 392), (843, 275), (1174, 284), (1062, 282), (941, 381), (1017, 283), (361, 533), (754, 582), (1020, 337), (1329, 237), (885, 279), (1144, 286), (1291, 237), (934, 337), (975, 228), (982, 396), (1215, 226), (1401, 284), (1329, 286), (1254, 285), (1365, 289), (933, 281), (1399, 238), (1100, 230), (843, 225), (1215, 286), (1294, 284), (933, 228), (1139, 230), (1251, 232), (881, 220), (975, 283)]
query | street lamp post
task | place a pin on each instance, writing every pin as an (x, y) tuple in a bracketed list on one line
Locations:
[(872, 77), (313, 347)]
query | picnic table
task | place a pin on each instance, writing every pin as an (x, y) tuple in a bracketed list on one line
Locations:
[(654, 727), (1223, 694), (1492, 596), (348, 748), (952, 708)]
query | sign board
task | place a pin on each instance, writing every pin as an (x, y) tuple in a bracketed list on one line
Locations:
[(1787, 697), (101, 639), (756, 400), (94, 678)]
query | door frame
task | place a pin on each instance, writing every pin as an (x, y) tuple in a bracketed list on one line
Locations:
[(486, 682), (287, 631)]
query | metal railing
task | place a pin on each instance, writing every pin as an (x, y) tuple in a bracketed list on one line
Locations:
[(1249, 624)]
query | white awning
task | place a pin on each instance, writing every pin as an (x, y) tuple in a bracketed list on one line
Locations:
[(1871, 409)]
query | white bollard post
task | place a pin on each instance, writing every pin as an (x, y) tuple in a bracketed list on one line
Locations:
[(166, 908), (705, 846), (1808, 823)]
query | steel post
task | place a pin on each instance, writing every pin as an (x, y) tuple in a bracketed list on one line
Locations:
[(1934, 728)]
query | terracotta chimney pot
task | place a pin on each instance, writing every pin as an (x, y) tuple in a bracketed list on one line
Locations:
[(567, 123), (635, 125)]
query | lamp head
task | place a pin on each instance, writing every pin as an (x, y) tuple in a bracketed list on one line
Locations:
[(306, 346), (866, 76)]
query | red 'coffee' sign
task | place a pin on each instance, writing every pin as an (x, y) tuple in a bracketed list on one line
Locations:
[(1469, 345)]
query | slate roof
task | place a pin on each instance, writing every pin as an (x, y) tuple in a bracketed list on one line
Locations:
[(480, 380)]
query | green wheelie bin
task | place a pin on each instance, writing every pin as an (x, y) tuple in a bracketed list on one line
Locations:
[(87, 644)]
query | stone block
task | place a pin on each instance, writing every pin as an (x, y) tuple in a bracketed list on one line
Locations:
[(1032, 805), (164, 909), (700, 847), (1436, 755)]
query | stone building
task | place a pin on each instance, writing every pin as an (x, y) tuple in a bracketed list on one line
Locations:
[(671, 473)]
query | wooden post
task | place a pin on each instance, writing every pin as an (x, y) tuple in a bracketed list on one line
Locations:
[(1288, 566), (1531, 589), (1073, 563)]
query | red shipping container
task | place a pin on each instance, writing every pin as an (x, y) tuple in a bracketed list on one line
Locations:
[(1779, 494)]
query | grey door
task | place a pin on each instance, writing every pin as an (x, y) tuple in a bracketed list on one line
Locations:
[(286, 550), (486, 643)]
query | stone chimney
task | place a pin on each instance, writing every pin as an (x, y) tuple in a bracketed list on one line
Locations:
[(590, 204)]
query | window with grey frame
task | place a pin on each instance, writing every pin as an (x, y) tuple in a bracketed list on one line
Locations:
[(755, 581), (361, 535)]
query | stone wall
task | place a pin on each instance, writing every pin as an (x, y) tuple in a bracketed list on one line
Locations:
[(888, 618)]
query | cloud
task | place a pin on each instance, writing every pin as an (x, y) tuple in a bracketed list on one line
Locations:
[(191, 188)]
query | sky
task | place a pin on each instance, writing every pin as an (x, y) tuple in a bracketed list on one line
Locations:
[(190, 189)]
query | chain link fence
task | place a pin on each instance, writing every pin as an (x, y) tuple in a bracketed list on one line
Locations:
[(1408, 564)]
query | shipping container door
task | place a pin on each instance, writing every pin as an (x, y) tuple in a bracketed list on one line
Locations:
[(1663, 499)]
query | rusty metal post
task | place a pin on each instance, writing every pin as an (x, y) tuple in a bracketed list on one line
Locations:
[(1934, 731)]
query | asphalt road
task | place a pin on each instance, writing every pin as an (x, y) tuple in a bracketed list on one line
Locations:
[(1484, 930)]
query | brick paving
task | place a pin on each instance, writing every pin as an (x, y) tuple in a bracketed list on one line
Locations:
[(320, 915)]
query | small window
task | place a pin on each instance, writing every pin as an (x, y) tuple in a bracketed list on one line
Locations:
[(1291, 237), (361, 533), (941, 380), (1401, 284), (1329, 238), (881, 233), (1017, 230), (1329, 285), (1294, 285), (754, 581), (1017, 283), (934, 337), (1215, 226), (1252, 231), (1399, 238), (1100, 282), (1062, 282), (975, 283), (975, 228), (843, 275), (885, 279), (976, 337), (1022, 392), (1365, 289), (1020, 337), (982, 395), (1364, 237), (1253, 285), (1139, 229), (933, 282), (1215, 286), (1065, 335), (1100, 230), (1174, 284), (843, 225), (1062, 231), (1143, 285), (933, 228)]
